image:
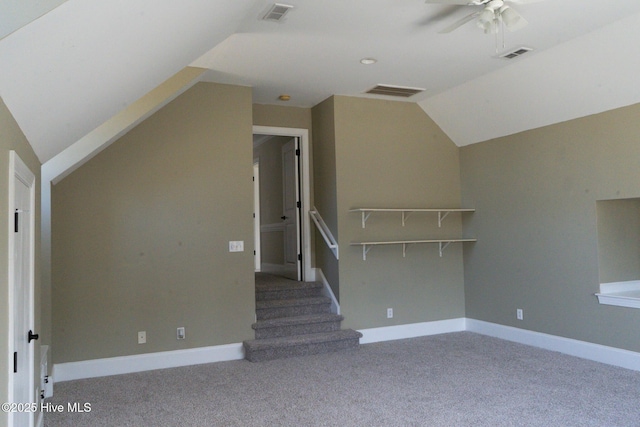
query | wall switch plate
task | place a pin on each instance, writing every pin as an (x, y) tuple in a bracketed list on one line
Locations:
[(180, 333), (519, 314), (142, 337), (236, 246), (389, 313)]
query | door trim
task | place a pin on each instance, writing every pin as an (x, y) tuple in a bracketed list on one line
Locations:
[(18, 170), (305, 188), (257, 255)]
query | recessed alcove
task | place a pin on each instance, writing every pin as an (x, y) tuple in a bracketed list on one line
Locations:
[(619, 252)]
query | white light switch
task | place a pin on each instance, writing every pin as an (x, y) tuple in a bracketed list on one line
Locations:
[(236, 246)]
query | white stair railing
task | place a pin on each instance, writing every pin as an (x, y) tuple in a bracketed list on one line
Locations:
[(324, 231)]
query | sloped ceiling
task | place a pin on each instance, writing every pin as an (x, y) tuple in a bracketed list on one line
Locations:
[(72, 69), (66, 73), (15, 14)]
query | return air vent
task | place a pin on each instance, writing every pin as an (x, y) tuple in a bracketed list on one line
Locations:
[(277, 12), (515, 53), (399, 91)]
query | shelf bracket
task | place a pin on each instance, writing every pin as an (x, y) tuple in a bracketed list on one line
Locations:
[(365, 217), (405, 216), (365, 251), (443, 246), (441, 217)]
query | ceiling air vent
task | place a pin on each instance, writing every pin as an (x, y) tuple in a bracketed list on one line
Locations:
[(277, 12), (515, 53), (403, 92)]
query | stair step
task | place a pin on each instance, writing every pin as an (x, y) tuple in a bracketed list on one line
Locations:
[(288, 290), (273, 309), (297, 325), (300, 345)]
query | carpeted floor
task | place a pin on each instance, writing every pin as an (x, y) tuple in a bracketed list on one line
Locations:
[(459, 379)]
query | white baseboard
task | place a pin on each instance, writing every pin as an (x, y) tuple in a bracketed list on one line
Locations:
[(171, 359), (146, 362), (585, 350), (412, 330), (335, 305)]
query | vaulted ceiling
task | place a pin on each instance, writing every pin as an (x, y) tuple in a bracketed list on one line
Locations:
[(70, 66)]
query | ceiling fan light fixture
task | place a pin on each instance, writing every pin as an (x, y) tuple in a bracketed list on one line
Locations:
[(486, 20), (512, 19)]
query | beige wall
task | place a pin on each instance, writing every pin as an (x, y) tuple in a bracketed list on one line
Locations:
[(12, 138), (281, 116), (141, 232), (535, 195), (324, 157), (391, 154)]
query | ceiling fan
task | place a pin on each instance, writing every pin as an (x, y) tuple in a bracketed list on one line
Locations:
[(490, 16)]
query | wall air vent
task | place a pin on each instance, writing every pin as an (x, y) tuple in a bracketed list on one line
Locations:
[(399, 91), (515, 53), (277, 12)]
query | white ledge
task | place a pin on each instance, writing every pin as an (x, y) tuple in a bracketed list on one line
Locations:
[(622, 294)]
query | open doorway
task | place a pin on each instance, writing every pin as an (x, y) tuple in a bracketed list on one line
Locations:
[(281, 202)]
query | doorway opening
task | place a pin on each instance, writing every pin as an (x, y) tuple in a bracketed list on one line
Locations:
[(281, 198)]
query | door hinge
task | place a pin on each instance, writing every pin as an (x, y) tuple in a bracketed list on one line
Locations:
[(15, 221), (254, 253), (299, 257), (15, 362), (298, 204), (297, 151)]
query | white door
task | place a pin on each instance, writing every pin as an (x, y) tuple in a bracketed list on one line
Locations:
[(21, 276), (290, 210)]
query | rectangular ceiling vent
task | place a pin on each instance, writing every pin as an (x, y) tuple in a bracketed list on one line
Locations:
[(277, 12), (399, 91), (515, 53)]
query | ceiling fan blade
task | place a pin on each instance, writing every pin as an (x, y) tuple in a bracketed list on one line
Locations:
[(459, 23), (453, 2), (443, 14)]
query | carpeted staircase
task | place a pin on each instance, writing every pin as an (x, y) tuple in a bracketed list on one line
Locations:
[(294, 319)]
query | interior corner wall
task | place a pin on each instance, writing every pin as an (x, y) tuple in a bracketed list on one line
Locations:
[(390, 154), (141, 233), (12, 138), (535, 196), (324, 178)]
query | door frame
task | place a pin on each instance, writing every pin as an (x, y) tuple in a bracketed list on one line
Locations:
[(257, 255), (308, 273), (18, 170)]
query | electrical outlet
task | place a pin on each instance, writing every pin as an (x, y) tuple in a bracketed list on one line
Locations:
[(180, 333), (389, 313), (519, 314), (236, 246), (142, 337)]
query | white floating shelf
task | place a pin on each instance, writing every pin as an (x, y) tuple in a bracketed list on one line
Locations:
[(442, 244), (622, 294), (406, 212)]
